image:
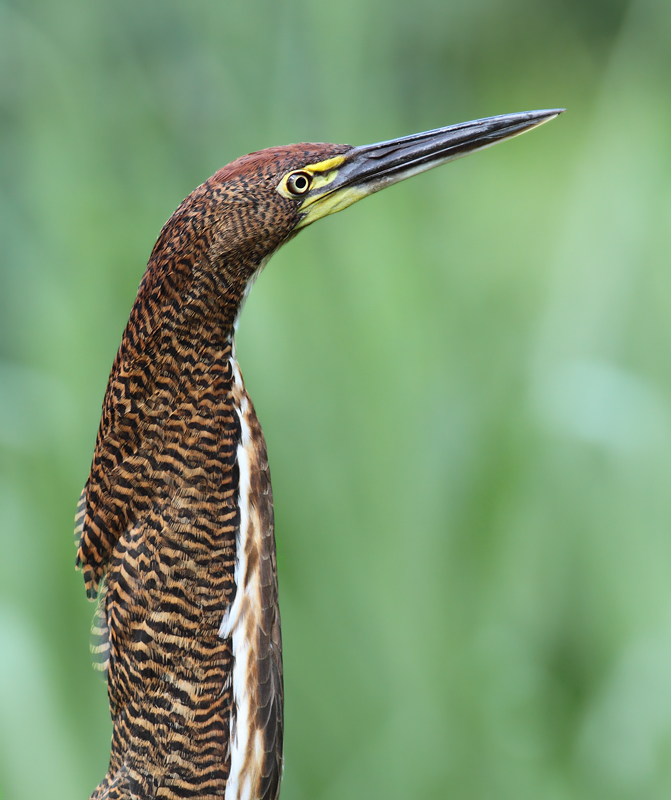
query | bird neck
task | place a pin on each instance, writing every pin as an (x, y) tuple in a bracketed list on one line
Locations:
[(200, 272), (187, 303)]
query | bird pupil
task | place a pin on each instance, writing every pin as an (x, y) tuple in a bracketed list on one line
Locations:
[(301, 183)]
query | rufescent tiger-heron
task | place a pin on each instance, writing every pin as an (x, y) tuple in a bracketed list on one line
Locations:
[(175, 523)]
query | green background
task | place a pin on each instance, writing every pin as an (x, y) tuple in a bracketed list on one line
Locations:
[(465, 381)]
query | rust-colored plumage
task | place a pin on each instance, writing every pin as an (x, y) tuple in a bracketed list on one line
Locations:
[(175, 523)]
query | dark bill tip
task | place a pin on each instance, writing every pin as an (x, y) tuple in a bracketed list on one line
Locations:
[(383, 163)]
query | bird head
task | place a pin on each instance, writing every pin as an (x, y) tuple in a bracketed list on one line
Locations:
[(240, 216), (305, 182)]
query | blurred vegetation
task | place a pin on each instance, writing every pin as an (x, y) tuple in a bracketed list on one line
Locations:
[(465, 381)]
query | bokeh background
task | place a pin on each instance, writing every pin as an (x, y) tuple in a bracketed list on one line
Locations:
[(465, 381)]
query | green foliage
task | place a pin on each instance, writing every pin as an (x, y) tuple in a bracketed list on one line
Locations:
[(465, 381)]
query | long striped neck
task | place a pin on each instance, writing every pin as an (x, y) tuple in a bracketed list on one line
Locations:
[(176, 522)]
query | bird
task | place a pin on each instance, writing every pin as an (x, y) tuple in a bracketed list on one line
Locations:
[(174, 527)]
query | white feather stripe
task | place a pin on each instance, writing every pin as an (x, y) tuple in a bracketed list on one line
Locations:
[(242, 621)]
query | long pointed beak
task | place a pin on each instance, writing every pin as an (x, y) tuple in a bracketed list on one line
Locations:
[(369, 168)]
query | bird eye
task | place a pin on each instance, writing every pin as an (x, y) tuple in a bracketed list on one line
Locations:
[(299, 182)]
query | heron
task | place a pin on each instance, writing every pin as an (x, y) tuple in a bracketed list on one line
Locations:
[(174, 527)]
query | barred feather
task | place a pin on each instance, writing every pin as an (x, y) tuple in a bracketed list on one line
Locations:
[(179, 461)]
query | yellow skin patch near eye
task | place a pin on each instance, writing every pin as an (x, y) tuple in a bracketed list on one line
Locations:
[(324, 204), (321, 205), (322, 174)]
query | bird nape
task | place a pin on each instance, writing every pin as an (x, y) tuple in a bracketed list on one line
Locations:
[(174, 526)]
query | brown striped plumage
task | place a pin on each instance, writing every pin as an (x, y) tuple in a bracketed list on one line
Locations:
[(160, 510), (175, 523)]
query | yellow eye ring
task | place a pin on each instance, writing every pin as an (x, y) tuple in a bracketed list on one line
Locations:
[(299, 183)]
